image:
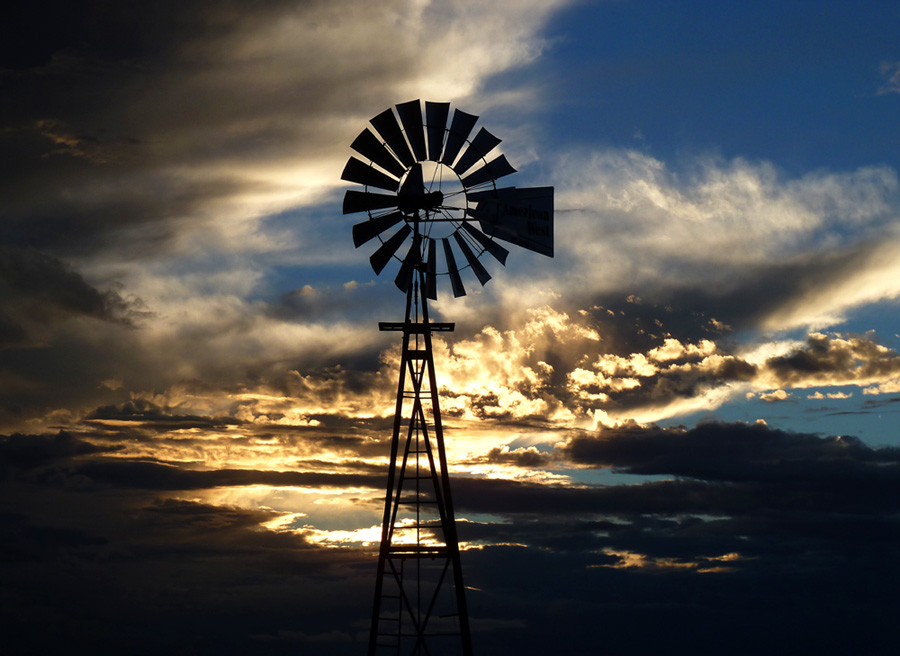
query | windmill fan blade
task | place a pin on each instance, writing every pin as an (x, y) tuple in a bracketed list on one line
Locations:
[(411, 117), (383, 255), (389, 129), (368, 145), (414, 185), (520, 216), (404, 276), (360, 201), (363, 232), (357, 171), (431, 271), (483, 143), (480, 272), (496, 168), (453, 270), (436, 123), (460, 128), (490, 246)]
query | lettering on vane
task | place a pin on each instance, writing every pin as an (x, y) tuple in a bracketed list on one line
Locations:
[(537, 221)]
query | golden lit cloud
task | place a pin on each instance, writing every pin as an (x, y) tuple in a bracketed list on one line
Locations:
[(633, 560)]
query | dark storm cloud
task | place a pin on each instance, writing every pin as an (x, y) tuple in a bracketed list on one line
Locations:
[(150, 416), (748, 506), (38, 291), (525, 457), (825, 359), (108, 31), (32, 451), (847, 488), (734, 452), (129, 123), (92, 553), (158, 476), (86, 211), (757, 525), (774, 608), (736, 488), (68, 141), (177, 577)]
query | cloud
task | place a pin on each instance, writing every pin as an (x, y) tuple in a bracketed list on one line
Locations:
[(169, 555), (775, 396), (891, 72), (181, 297), (32, 451), (125, 474), (801, 250), (834, 360), (200, 159), (205, 120), (600, 376), (40, 291), (572, 370), (733, 505), (517, 372), (735, 452), (830, 395), (522, 457)]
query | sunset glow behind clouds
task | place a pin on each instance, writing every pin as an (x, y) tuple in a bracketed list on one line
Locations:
[(684, 420)]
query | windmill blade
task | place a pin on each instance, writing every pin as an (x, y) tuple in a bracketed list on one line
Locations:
[(414, 185), (453, 270), (436, 125), (357, 171), (363, 232), (404, 276), (496, 168), (460, 128), (389, 129), (519, 216), (483, 143), (411, 118), (489, 245), (368, 145), (386, 251), (479, 270), (360, 201), (431, 271)]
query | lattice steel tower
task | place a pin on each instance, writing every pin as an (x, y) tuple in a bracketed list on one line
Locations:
[(441, 185)]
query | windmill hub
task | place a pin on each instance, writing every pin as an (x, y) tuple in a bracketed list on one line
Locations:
[(412, 204)]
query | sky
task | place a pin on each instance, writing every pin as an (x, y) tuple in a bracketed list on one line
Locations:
[(678, 435)]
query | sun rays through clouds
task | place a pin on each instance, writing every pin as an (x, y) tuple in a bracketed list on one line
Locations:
[(686, 419)]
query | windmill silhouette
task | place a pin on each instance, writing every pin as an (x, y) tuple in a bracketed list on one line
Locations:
[(442, 190)]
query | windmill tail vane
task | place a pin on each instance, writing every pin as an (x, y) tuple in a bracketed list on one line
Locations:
[(442, 212)]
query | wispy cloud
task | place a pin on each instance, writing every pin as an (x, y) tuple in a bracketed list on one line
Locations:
[(891, 73)]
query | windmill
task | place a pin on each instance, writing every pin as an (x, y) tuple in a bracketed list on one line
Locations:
[(442, 212)]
